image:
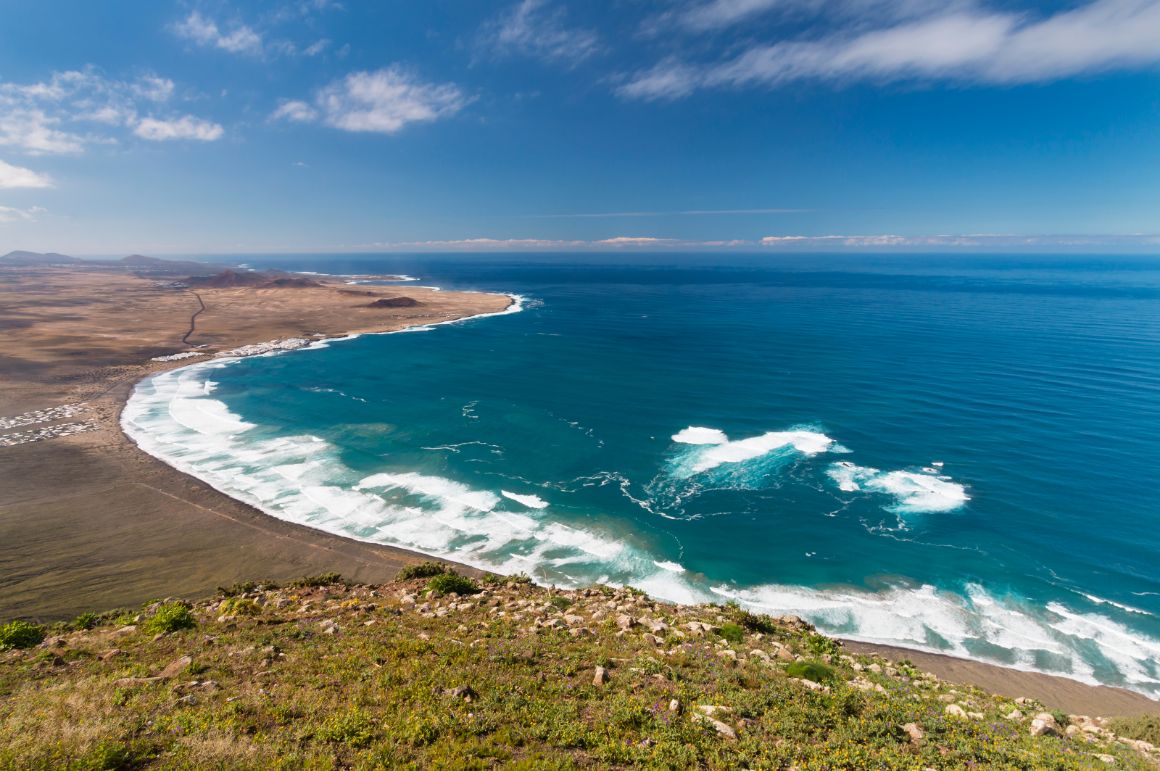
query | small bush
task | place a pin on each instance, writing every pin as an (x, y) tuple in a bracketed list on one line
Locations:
[(811, 670), (234, 590), (560, 601), (452, 583), (820, 645), (240, 606), (751, 621), (1144, 728), (1061, 718), (353, 729), (422, 570), (322, 579), (171, 617), (86, 621), (20, 634), (734, 633)]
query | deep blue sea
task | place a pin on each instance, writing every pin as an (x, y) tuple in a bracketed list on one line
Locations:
[(957, 454)]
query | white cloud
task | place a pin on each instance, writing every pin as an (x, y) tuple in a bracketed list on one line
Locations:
[(18, 176), (204, 31), (74, 109), (383, 101), (963, 42), (534, 28), (10, 214), (187, 127), (294, 110)]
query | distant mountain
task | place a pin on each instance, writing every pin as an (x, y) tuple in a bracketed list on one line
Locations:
[(36, 258)]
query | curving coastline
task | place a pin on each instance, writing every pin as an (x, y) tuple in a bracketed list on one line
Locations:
[(158, 531)]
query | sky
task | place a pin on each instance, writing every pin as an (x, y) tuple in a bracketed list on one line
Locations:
[(201, 127)]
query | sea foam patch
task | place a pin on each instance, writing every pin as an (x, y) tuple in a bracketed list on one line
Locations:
[(912, 491), (714, 448)]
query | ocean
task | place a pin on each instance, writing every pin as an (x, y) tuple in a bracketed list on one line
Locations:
[(949, 453)]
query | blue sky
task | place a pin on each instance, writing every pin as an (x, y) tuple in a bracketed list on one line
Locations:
[(312, 125)]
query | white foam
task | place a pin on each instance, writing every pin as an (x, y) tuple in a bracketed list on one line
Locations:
[(672, 567), (718, 449), (912, 491), (700, 435), (531, 501)]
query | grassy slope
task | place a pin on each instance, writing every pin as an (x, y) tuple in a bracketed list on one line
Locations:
[(336, 676)]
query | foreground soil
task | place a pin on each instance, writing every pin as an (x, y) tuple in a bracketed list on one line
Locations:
[(88, 520), (320, 674)]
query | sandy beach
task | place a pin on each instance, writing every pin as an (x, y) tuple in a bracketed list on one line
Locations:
[(90, 522)]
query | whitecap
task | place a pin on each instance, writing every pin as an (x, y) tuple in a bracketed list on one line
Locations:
[(531, 501), (912, 491)]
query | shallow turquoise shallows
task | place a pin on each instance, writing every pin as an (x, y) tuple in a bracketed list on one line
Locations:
[(957, 454)]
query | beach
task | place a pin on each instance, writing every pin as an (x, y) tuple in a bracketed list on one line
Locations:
[(89, 521), (92, 522)]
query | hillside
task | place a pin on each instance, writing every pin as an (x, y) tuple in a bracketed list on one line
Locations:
[(438, 671)]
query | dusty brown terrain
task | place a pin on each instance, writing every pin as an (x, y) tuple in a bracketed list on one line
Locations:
[(88, 521)]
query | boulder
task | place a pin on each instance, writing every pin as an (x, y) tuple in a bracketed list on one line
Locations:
[(600, 677)]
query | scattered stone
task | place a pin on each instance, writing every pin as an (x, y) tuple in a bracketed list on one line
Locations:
[(625, 622), (1014, 715), (675, 706), (175, 668), (954, 710), (465, 692), (914, 732), (600, 677), (724, 729), (110, 654), (1044, 724)]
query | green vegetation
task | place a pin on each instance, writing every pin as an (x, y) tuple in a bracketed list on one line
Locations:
[(812, 670), (734, 633), (20, 634), (322, 579), (452, 583), (422, 570), (85, 621), (331, 675), (170, 617), (1145, 728), (240, 606)]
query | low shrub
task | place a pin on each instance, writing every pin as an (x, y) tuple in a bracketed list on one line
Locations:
[(322, 579), (20, 634), (1144, 728), (170, 617), (452, 583), (812, 670), (240, 606), (86, 621), (560, 602), (422, 570), (820, 645), (734, 633)]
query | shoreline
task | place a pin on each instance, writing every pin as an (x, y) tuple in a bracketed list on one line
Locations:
[(237, 542), (1073, 695)]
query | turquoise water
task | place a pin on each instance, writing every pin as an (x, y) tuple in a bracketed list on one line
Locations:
[(953, 454)]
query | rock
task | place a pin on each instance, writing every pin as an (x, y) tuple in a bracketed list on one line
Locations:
[(1071, 731), (651, 639), (975, 715), (1023, 700), (723, 729), (674, 706), (188, 701), (175, 668), (1044, 724), (1014, 715), (914, 732), (785, 654), (625, 621), (465, 692), (328, 626), (1111, 761), (125, 631), (128, 682), (954, 710), (600, 677), (111, 654), (811, 684)]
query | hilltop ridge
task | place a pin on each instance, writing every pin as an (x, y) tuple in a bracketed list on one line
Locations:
[(437, 669)]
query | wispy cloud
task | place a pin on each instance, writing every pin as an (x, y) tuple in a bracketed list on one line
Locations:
[(11, 214), (78, 108), (538, 29), (962, 241), (187, 127), (18, 176), (383, 101), (962, 42), (204, 31)]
